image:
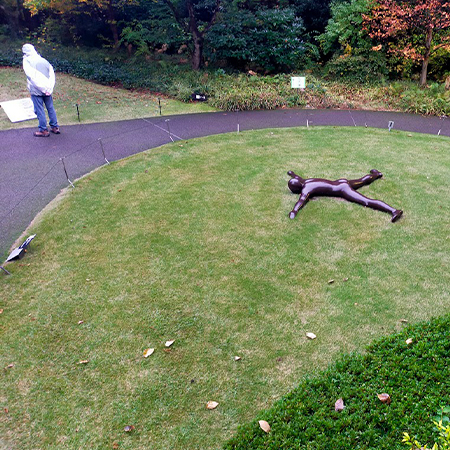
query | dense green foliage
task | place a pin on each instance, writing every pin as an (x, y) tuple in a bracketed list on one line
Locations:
[(344, 29), (266, 35), (269, 39), (415, 376), (361, 66)]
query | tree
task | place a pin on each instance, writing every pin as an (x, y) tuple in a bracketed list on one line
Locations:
[(413, 28), (196, 17), (109, 7), (314, 13), (12, 14), (344, 28), (268, 39)]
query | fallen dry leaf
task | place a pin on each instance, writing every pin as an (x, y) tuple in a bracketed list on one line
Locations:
[(311, 335), (237, 358), (212, 405), (84, 361), (169, 343), (339, 405), (330, 281), (128, 428), (80, 322), (384, 398), (264, 425), (409, 341), (148, 352)]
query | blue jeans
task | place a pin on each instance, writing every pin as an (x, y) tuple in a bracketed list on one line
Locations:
[(39, 102)]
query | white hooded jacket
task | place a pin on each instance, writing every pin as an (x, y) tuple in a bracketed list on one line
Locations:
[(39, 72)]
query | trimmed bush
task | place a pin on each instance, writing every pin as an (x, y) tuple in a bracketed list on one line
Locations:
[(415, 376)]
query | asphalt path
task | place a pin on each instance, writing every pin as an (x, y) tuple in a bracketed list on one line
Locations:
[(34, 170)]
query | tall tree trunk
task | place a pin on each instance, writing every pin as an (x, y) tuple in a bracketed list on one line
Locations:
[(20, 11), (426, 57), (197, 56), (197, 37), (110, 15)]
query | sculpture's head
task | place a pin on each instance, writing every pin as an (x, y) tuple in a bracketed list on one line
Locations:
[(295, 185)]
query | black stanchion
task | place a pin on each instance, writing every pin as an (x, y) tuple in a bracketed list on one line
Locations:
[(443, 121), (65, 171), (78, 111), (168, 129), (159, 104), (103, 150), (351, 115), (4, 270)]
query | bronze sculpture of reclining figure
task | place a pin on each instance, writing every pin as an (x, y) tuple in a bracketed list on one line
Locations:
[(346, 189)]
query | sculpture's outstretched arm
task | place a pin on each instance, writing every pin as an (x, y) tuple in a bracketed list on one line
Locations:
[(299, 205)]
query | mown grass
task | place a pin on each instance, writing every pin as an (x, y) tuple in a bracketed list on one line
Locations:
[(192, 242), (97, 103)]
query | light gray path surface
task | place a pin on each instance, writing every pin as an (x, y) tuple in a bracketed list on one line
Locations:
[(32, 169)]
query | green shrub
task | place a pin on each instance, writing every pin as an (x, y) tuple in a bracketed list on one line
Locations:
[(414, 375), (434, 99), (443, 428), (267, 39), (361, 67)]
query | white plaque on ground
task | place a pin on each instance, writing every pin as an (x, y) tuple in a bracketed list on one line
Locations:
[(298, 82), (19, 110)]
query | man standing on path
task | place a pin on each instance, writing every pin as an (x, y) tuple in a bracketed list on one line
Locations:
[(40, 83)]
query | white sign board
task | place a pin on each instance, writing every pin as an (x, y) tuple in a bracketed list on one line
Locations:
[(298, 82), (19, 110)]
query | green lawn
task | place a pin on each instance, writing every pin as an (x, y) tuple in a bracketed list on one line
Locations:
[(191, 242), (97, 103)]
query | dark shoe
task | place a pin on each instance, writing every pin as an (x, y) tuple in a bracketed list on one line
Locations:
[(396, 215), (43, 133), (55, 130)]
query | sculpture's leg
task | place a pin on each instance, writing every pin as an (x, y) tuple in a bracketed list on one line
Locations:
[(366, 179), (355, 197)]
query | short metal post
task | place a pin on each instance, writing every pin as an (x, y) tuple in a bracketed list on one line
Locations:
[(159, 103), (78, 112), (168, 129), (4, 270), (65, 171), (103, 150)]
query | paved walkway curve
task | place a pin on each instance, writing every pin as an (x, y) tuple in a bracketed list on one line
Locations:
[(32, 170)]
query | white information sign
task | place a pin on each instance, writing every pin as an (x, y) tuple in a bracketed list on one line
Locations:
[(298, 82), (19, 110)]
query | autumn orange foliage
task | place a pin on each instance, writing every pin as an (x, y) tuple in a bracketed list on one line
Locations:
[(413, 29)]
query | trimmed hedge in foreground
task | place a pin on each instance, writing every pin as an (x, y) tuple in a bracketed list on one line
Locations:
[(416, 377)]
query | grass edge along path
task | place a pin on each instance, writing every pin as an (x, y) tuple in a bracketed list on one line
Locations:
[(191, 242), (411, 367)]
